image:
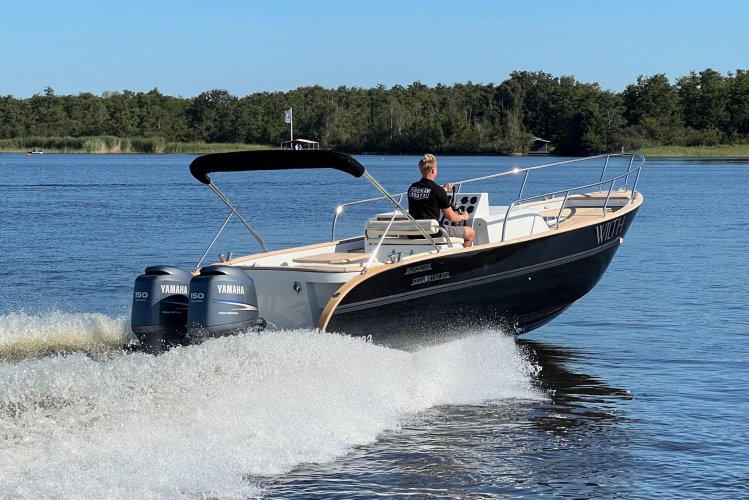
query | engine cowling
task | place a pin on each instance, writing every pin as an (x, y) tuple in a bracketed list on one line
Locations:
[(222, 301), (159, 313)]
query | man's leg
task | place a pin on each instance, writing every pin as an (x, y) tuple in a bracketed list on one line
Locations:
[(468, 238)]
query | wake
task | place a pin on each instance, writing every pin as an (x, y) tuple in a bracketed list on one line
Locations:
[(24, 335), (205, 420)]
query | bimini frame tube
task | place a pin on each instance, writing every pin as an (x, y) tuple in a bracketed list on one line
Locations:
[(246, 224), (221, 229)]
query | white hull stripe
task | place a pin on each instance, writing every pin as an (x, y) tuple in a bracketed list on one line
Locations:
[(239, 306), (366, 304)]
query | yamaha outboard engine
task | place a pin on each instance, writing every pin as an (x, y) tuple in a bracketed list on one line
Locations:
[(159, 314), (222, 301)]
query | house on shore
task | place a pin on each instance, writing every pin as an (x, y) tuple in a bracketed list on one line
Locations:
[(539, 146)]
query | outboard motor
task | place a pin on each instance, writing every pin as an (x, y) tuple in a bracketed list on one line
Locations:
[(222, 301), (159, 314)]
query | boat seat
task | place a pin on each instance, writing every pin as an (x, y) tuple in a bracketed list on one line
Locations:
[(400, 230), (401, 227), (332, 258), (439, 240)]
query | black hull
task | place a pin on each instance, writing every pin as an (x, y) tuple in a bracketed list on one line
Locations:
[(516, 287)]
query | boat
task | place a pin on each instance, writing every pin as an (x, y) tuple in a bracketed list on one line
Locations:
[(402, 282)]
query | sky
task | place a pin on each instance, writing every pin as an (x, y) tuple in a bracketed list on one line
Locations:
[(186, 47)]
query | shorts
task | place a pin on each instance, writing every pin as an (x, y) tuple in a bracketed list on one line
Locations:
[(452, 231), (456, 231)]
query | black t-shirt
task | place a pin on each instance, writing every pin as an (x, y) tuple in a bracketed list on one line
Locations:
[(426, 199)]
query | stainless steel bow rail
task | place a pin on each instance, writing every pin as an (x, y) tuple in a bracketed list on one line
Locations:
[(634, 168)]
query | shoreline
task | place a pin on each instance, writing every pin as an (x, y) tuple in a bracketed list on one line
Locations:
[(727, 151)]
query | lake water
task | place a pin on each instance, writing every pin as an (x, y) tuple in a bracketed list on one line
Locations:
[(641, 389)]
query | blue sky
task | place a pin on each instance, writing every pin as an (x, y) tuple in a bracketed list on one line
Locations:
[(187, 47)]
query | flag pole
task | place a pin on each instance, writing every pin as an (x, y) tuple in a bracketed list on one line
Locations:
[(288, 117)]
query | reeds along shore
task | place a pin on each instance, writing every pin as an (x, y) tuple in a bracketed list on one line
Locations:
[(109, 144), (717, 151)]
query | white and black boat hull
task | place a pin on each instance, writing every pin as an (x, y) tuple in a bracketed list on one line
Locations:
[(518, 287)]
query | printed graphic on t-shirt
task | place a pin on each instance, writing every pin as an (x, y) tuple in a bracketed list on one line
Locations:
[(419, 193)]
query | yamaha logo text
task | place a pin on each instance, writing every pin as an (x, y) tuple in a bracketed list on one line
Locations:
[(234, 289), (172, 289)]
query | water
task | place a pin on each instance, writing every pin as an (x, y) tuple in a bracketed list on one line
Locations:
[(638, 390)]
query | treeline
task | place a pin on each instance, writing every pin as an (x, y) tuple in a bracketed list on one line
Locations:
[(704, 108)]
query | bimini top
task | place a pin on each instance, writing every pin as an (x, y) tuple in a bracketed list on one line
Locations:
[(243, 161)]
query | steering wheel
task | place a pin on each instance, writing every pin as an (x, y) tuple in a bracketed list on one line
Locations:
[(456, 208)]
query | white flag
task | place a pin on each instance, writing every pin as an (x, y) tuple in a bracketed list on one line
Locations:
[(287, 116)]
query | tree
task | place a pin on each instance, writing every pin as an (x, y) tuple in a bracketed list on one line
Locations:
[(13, 122), (602, 117), (738, 104), (87, 114), (47, 115), (211, 117), (511, 134), (542, 113), (122, 118), (704, 99), (652, 106)]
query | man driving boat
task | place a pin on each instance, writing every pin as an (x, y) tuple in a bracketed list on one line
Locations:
[(426, 199)]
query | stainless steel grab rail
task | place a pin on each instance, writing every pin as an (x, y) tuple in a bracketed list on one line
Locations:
[(631, 170)]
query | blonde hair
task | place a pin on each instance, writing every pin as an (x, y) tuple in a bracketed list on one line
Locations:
[(427, 163)]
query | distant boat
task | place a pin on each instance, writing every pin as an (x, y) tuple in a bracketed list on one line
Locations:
[(35, 152)]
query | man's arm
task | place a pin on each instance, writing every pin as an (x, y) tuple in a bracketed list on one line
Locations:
[(452, 216)]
